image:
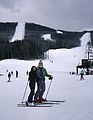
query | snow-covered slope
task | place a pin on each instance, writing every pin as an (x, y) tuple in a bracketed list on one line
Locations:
[(78, 94), (19, 33), (47, 37)]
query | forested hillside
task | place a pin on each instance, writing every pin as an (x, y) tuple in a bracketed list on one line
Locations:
[(33, 45)]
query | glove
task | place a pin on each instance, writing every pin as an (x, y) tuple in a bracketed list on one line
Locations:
[(50, 78)]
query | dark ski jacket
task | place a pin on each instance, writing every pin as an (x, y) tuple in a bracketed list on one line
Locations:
[(32, 76), (41, 73)]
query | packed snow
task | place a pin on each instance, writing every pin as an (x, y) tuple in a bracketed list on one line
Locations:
[(78, 94), (59, 32)]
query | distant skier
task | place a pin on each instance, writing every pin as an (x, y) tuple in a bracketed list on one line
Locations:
[(9, 76), (82, 74), (16, 74), (32, 80), (41, 73)]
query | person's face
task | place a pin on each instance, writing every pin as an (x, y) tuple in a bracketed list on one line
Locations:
[(40, 66), (34, 68)]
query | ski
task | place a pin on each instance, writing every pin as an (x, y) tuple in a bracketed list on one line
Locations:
[(45, 102), (41, 103), (49, 102), (56, 101), (36, 105)]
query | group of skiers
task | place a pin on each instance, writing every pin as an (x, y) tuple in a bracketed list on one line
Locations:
[(10, 74), (37, 75)]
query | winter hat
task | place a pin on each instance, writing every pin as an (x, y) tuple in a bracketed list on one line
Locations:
[(40, 63)]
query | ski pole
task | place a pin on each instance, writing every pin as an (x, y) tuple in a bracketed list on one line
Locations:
[(48, 89), (25, 92)]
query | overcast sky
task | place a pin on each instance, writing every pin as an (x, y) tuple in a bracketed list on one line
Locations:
[(59, 14)]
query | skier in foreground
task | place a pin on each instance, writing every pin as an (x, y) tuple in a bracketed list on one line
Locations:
[(41, 73), (32, 80)]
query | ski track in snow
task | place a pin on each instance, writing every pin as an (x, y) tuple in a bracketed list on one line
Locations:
[(78, 94)]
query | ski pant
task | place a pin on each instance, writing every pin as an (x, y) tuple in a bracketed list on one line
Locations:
[(40, 89), (32, 90), (82, 76)]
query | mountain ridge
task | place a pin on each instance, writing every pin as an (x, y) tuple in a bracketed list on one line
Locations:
[(33, 45)]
